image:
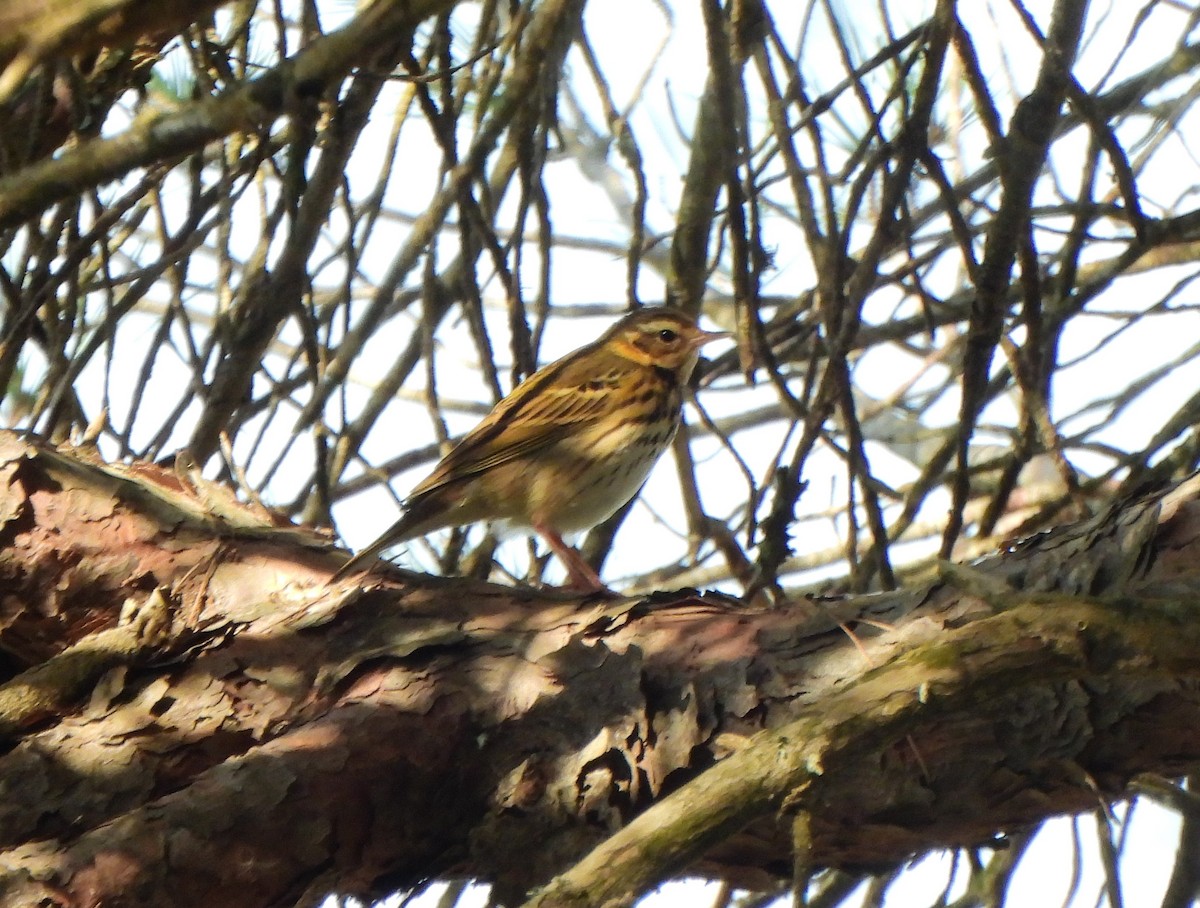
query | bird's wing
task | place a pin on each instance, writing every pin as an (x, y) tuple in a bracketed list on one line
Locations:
[(554, 400)]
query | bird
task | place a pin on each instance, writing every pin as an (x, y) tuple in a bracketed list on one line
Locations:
[(568, 446)]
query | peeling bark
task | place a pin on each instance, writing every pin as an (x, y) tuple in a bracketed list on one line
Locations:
[(291, 738)]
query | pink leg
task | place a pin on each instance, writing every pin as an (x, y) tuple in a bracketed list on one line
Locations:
[(582, 576)]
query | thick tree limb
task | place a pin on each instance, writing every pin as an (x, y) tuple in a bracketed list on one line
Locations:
[(52, 686), (293, 739)]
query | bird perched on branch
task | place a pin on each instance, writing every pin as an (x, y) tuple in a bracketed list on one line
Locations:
[(568, 447)]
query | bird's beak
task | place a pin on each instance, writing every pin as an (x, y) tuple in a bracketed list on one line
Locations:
[(705, 337)]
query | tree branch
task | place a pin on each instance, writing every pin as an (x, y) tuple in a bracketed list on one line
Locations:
[(245, 108), (286, 713)]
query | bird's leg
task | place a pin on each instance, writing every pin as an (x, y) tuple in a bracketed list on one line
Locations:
[(582, 576)]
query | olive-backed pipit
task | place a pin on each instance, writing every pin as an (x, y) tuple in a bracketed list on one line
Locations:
[(569, 446)]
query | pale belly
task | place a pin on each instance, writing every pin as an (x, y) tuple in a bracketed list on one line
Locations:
[(583, 480)]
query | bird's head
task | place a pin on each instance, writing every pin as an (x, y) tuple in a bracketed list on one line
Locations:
[(664, 338)]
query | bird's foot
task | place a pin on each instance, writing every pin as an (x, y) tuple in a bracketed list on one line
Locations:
[(581, 576)]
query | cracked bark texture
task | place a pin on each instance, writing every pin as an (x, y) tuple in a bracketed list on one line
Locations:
[(292, 738)]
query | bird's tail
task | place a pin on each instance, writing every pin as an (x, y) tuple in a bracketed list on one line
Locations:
[(367, 556), (420, 517)]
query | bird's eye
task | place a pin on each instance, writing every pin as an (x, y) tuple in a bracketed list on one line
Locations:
[(667, 336)]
